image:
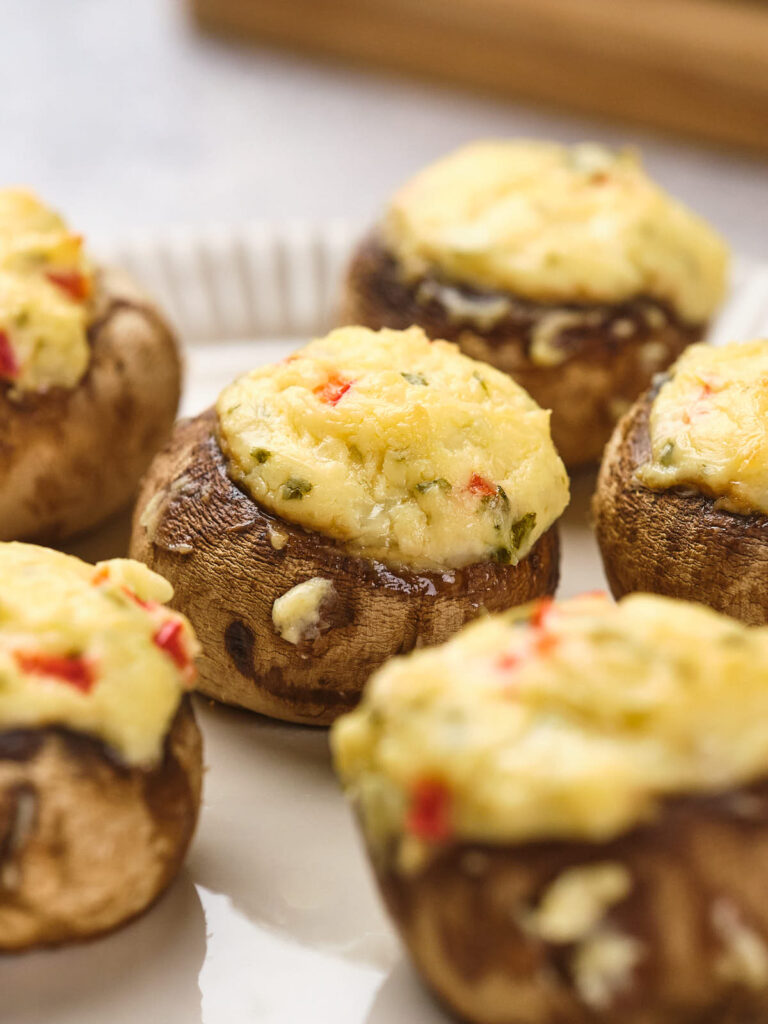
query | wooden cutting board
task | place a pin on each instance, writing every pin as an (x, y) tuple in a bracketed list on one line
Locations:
[(693, 66)]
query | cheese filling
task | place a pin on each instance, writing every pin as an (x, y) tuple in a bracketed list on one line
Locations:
[(556, 224), (709, 426), (297, 615), (404, 449), (91, 649), (45, 282), (572, 723)]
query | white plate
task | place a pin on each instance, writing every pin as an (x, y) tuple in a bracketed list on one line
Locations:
[(274, 920)]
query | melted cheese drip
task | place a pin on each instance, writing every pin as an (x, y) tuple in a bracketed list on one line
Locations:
[(575, 728), (43, 340), (402, 448), (297, 615), (53, 606), (556, 224), (709, 426)]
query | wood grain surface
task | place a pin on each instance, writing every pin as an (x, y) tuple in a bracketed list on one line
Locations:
[(695, 66)]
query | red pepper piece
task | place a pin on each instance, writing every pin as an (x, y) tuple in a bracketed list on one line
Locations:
[(545, 642), (170, 639), (72, 282), (333, 390), (429, 815), (147, 605), (699, 406), (71, 669), (479, 485), (9, 368), (540, 612), (512, 659), (102, 576)]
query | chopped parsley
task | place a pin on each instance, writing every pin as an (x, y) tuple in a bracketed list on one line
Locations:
[(295, 488), (501, 555), (520, 531), (428, 485), (415, 378), (260, 454), (481, 382), (667, 453), (498, 501)]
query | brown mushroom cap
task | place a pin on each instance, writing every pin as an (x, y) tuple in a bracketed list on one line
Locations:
[(86, 843), (229, 560), (693, 912), (601, 374), (673, 543), (70, 458)]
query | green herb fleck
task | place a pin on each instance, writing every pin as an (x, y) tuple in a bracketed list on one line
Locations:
[(521, 530), (501, 555), (260, 454), (295, 488), (428, 485), (481, 382), (499, 500), (415, 378), (667, 453)]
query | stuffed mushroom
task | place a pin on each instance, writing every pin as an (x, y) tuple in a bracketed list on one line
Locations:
[(367, 495), (100, 756), (89, 379), (682, 500), (567, 812), (566, 267)]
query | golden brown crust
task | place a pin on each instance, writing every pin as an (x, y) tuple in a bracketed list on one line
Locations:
[(87, 843), (604, 369), (671, 543), (70, 458), (217, 548), (697, 878)]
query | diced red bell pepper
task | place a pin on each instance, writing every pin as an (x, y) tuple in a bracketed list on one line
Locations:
[(333, 390), (479, 485), (545, 642), (102, 576), (542, 642), (511, 659), (170, 639), (429, 814), (147, 605), (699, 406), (72, 282), (9, 368), (540, 612), (74, 670)]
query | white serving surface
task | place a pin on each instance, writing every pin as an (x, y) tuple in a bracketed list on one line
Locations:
[(274, 919)]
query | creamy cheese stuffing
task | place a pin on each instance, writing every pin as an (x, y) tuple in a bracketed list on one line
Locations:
[(92, 649), (402, 448), (45, 282), (709, 426), (570, 722), (551, 223)]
